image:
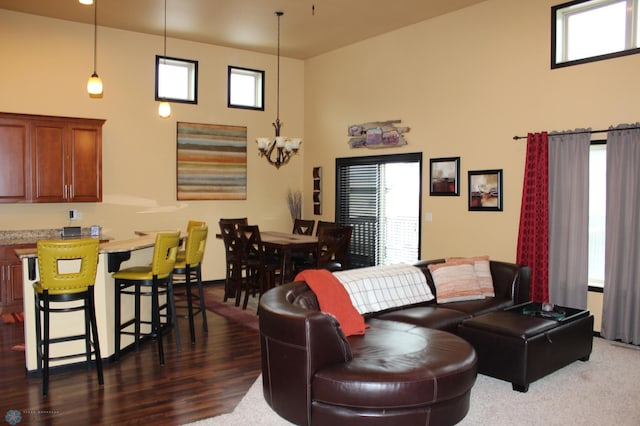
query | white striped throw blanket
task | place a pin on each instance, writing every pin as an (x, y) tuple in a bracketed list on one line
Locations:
[(377, 288)]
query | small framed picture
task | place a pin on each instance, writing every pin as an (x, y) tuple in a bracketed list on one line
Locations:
[(485, 190), (445, 176)]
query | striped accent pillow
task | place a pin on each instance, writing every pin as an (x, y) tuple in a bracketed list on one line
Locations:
[(483, 272), (455, 282)]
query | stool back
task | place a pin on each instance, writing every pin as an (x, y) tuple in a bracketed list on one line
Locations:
[(196, 243), (194, 224), (164, 253), (50, 255)]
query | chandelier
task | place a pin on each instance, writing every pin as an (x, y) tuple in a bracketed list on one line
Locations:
[(282, 147)]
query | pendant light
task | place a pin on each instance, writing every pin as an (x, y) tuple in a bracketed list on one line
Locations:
[(94, 85), (164, 108), (282, 147)]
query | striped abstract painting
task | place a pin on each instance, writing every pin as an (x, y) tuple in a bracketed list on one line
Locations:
[(211, 162)]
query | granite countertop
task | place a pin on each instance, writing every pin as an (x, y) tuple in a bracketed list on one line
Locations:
[(30, 236), (115, 246)]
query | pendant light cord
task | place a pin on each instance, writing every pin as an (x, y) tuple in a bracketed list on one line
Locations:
[(278, 77), (95, 34), (165, 28)]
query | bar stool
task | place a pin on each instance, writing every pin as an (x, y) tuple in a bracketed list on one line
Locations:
[(131, 280), (58, 286), (188, 269), (190, 224)]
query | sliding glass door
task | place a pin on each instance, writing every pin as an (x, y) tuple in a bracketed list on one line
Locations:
[(379, 196)]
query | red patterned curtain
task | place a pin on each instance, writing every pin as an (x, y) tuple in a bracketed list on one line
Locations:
[(533, 235)]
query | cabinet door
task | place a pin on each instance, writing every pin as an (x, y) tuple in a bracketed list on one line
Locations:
[(11, 293), (48, 154), (14, 287), (84, 172), (14, 161)]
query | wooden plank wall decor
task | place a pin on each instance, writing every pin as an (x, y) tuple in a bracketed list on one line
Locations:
[(377, 134), (211, 162)]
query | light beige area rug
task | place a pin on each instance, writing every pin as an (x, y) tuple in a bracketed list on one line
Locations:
[(602, 391)]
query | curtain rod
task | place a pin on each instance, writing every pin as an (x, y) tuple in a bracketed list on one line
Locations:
[(515, 138)]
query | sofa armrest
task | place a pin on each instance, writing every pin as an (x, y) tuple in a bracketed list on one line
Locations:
[(295, 343)]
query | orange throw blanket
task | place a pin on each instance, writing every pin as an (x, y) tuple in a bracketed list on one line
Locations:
[(334, 299)]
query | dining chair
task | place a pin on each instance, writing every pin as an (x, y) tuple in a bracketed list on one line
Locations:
[(303, 227), (229, 232), (131, 281), (184, 271), (325, 225), (63, 280), (333, 248), (259, 268)]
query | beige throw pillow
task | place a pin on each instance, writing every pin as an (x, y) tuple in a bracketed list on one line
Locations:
[(483, 272), (455, 282)]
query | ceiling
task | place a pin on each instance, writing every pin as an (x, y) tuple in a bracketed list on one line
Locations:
[(308, 27)]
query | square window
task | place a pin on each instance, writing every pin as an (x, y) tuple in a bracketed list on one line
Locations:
[(176, 80), (245, 88), (592, 30)]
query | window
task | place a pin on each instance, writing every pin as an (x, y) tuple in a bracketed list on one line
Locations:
[(380, 197), (245, 88), (597, 211), (592, 30), (176, 80)]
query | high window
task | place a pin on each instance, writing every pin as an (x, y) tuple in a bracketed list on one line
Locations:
[(176, 80), (245, 88), (379, 196), (593, 30)]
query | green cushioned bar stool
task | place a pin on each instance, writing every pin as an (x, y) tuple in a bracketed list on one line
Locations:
[(67, 274), (186, 271), (155, 279)]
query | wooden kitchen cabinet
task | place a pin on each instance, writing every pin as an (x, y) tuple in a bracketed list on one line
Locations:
[(15, 164), (62, 159), (11, 299)]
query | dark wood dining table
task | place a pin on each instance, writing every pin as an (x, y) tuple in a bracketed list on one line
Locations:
[(284, 243)]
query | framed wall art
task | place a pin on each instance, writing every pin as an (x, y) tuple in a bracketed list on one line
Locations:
[(211, 162), (444, 176), (485, 190)]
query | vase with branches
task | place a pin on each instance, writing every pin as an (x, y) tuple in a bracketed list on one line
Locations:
[(294, 201)]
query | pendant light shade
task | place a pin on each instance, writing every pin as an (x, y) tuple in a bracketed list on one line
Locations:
[(164, 109), (94, 85)]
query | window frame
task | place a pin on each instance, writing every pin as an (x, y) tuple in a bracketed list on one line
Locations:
[(192, 66), (631, 33), (259, 91)]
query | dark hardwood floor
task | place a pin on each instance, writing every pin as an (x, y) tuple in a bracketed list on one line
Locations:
[(205, 380)]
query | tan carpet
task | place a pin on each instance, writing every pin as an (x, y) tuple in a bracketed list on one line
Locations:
[(603, 391)]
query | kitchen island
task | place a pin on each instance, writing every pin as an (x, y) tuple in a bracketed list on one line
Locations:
[(113, 255)]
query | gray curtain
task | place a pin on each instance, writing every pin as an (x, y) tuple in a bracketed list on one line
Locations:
[(621, 310), (569, 218)]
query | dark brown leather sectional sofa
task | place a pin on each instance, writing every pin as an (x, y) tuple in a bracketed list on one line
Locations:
[(409, 368)]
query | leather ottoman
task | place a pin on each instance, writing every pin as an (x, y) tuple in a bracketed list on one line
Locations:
[(520, 345)]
